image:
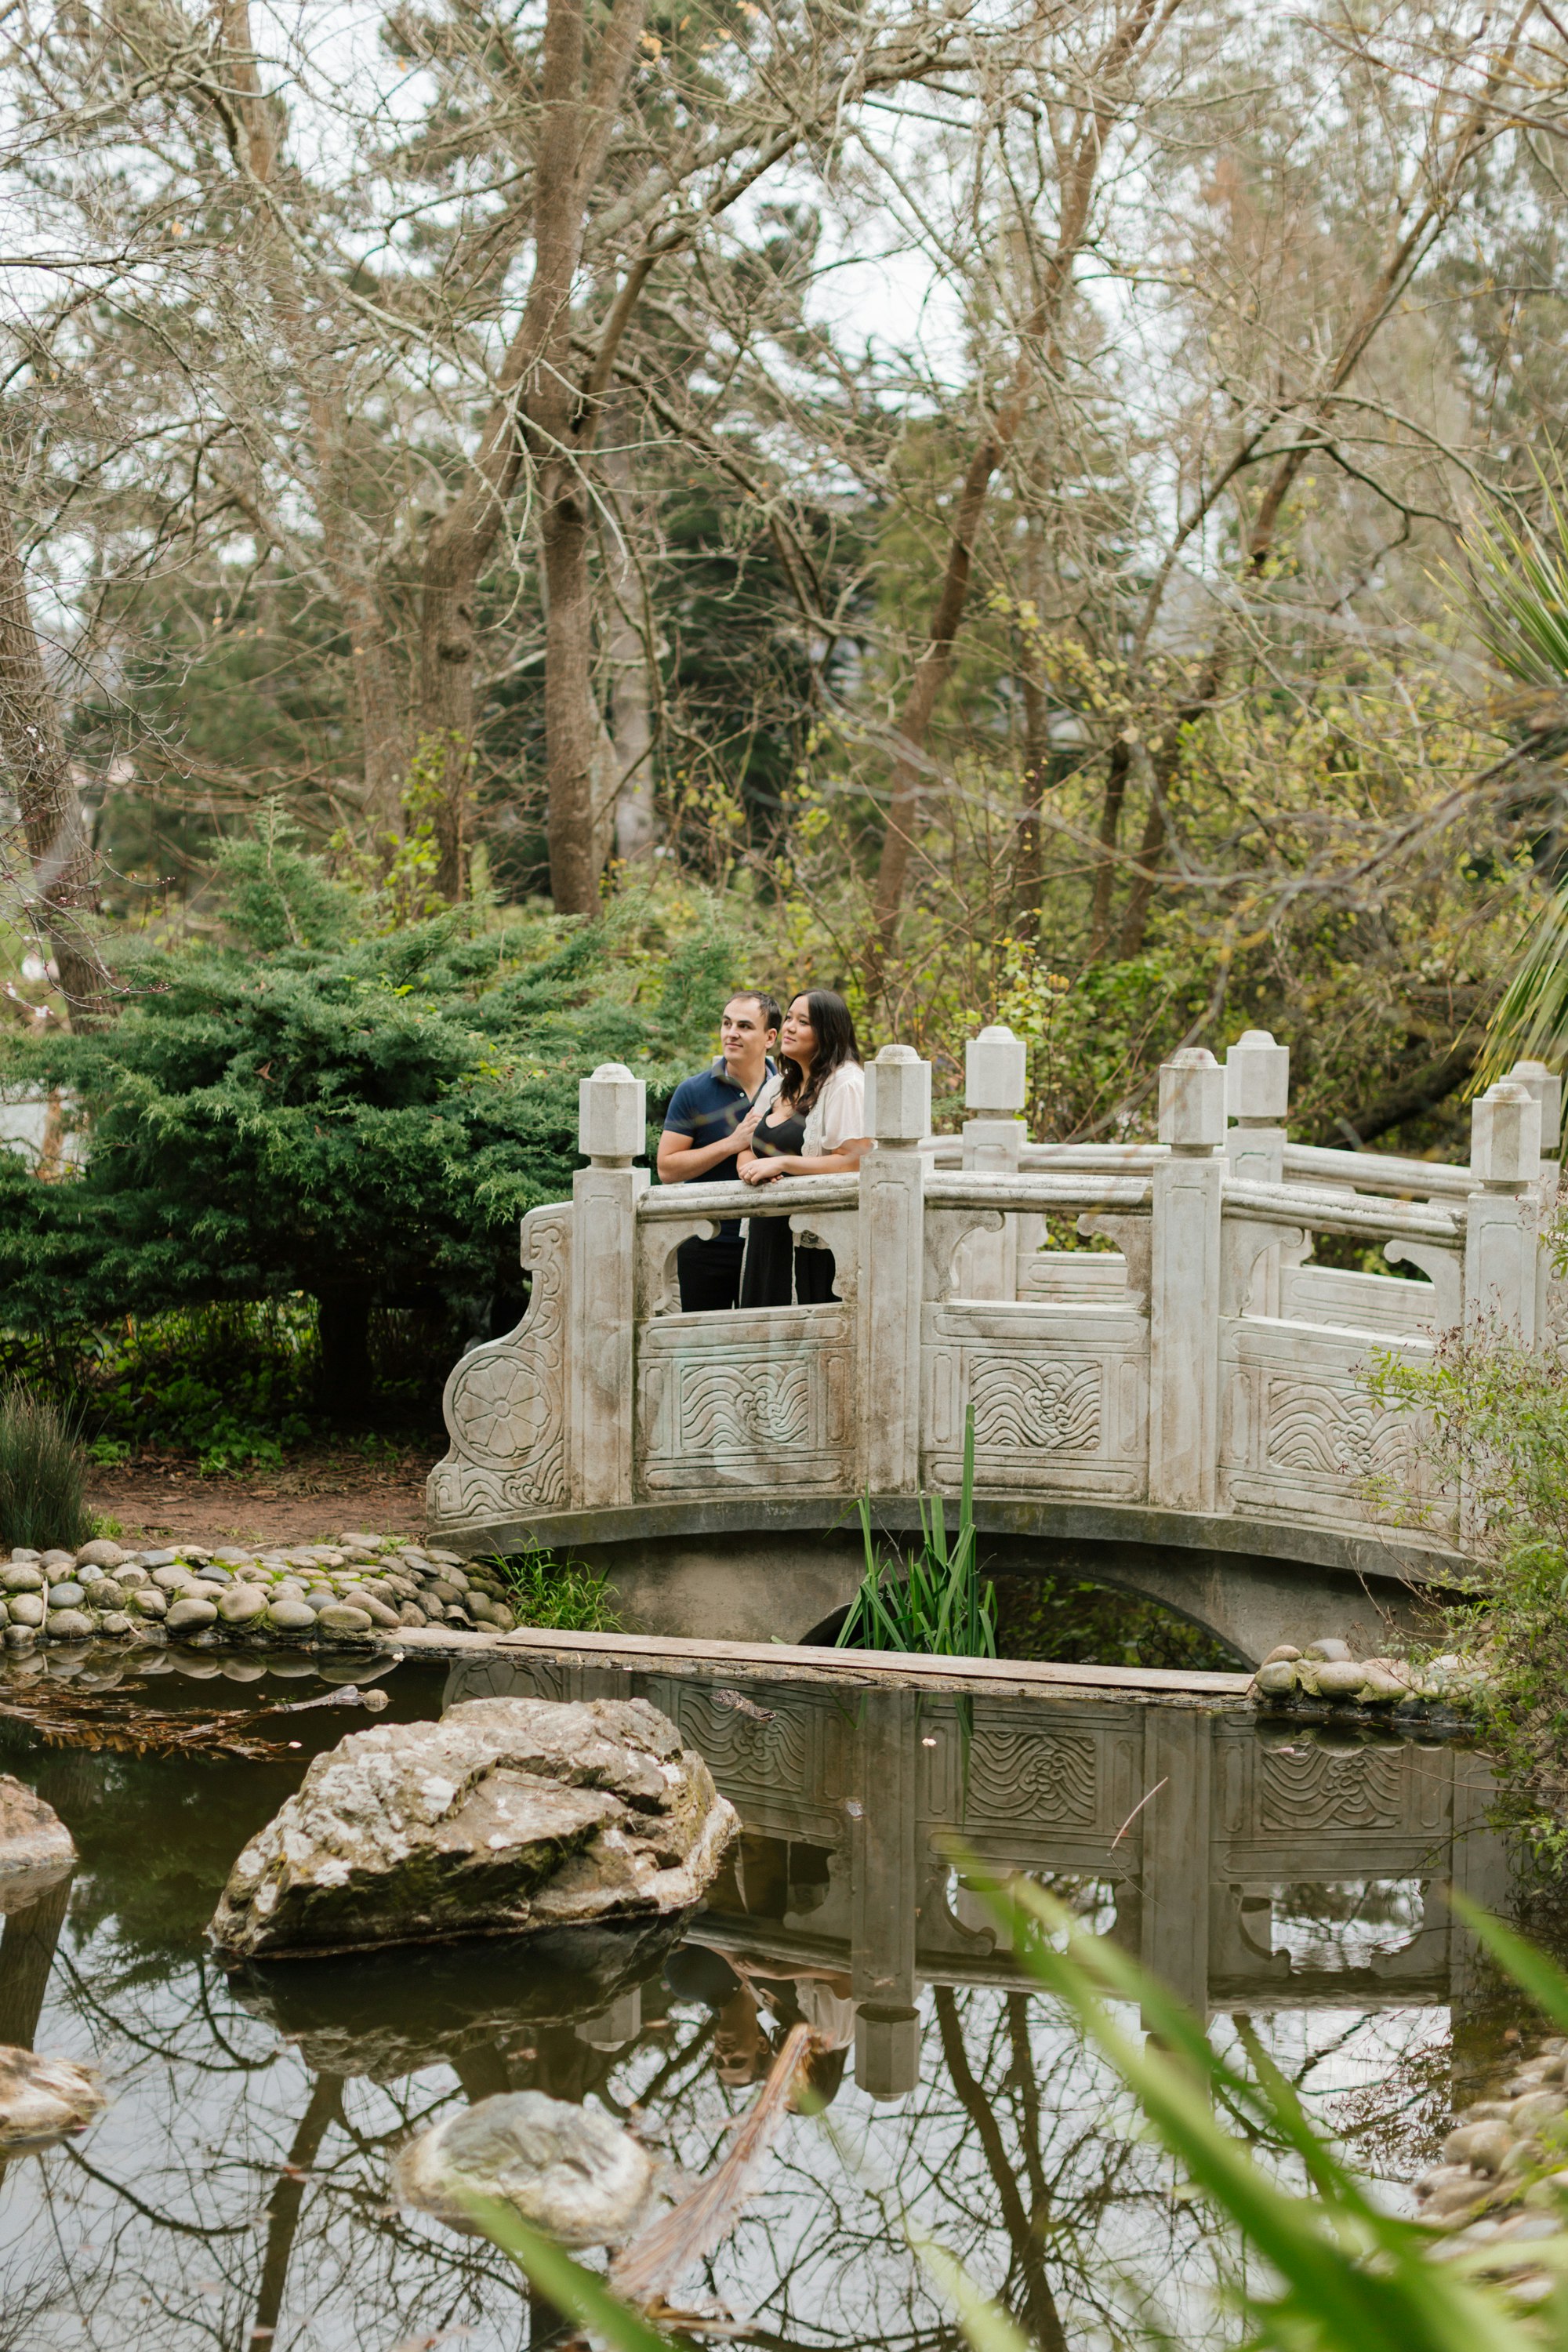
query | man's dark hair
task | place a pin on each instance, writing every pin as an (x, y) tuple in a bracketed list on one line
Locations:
[(771, 1009)]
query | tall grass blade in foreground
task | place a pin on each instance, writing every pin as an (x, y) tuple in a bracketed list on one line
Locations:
[(940, 1608), (1346, 2276), (41, 1471)]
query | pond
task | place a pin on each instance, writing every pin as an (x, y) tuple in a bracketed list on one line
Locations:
[(235, 2194)]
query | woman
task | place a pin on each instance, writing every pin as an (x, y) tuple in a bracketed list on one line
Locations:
[(814, 1127)]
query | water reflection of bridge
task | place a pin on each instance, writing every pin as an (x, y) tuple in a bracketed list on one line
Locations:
[(1181, 1827)]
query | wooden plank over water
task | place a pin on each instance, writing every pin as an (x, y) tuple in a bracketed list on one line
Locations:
[(789, 1662)]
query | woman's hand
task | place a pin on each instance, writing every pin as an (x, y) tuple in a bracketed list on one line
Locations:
[(762, 1171)]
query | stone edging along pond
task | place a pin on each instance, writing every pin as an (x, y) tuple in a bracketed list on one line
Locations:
[(360, 1589)]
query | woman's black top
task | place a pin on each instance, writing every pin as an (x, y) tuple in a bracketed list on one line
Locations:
[(774, 1274)]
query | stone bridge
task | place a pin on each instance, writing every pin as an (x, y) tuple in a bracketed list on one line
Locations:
[(1180, 1831), (1176, 1406)]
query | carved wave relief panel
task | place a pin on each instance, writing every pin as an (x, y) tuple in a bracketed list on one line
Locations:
[(1314, 1790), (1056, 1407), (756, 1414), (1015, 1778), (1299, 1433)]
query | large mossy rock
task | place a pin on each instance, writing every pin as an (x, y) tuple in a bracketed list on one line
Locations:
[(507, 1816)]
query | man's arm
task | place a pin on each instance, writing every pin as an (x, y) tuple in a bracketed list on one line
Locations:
[(679, 1157)]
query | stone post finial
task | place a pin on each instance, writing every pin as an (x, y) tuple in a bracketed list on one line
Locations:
[(612, 1116), (1505, 1136), (1191, 1101), (897, 1097), (1257, 1079), (994, 1071), (1547, 1088)]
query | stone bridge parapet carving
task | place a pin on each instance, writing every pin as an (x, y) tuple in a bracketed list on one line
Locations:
[(1193, 1360)]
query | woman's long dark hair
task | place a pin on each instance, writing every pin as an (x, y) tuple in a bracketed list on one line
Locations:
[(835, 1026)]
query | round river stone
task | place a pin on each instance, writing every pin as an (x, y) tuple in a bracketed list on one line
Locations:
[(290, 1616), (241, 1603), (22, 1577), (344, 1622), (115, 1621), (1340, 1678), (27, 1609), (187, 1615), (68, 1595), (376, 1611), (104, 1592), (68, 1625), (101, 1553), (148, 1601)]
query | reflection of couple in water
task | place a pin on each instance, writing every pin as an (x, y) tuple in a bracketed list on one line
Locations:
[(785, 1096), (754, 2006), (757, 1995)]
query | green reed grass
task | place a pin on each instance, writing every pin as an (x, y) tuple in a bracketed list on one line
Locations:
[(42, 1468), (560, 1594), (934, 1603)]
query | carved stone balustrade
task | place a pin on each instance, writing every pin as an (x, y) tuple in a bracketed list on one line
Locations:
[(1191, 1377)]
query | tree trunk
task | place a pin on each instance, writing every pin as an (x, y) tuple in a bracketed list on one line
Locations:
[(538, 406), (631, 705), (1110, 836), (26, 1956), (1028, 866), (380, 693), (323, 2108), (905, 789), (571, 747), (33, 747), (342, 1324)]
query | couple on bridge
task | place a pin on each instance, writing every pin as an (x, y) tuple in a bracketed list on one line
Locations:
[(785, 1097)]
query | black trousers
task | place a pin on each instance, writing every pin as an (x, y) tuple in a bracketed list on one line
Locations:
[(710, 1273)]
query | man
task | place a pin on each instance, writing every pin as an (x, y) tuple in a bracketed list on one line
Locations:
[(701, 1138)]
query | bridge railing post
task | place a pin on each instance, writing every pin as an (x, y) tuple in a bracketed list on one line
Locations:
[(1547, 1088), (612, 1128), (995, 1090), (1257, 1097), (1503, 1220), (892, 1268), (1184, 1295)]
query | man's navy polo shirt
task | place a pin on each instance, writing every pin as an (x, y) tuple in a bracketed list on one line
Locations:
[(705, 1109)]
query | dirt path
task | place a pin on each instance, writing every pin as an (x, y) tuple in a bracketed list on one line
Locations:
[(312, 1497)]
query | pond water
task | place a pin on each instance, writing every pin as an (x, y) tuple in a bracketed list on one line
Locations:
[(235, 2193)]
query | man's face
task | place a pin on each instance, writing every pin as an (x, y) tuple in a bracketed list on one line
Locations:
[(741, 1036)]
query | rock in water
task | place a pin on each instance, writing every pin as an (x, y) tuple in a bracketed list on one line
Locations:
[(35, 1847), (41, 2099), (507, 1816), (567, 2169)]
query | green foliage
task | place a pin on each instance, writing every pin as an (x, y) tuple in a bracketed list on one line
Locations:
[(1520, 580), (547, 1590), (359, 1121), (41, 1470), (1491, 1418), (937, 1608), (277, 896)]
